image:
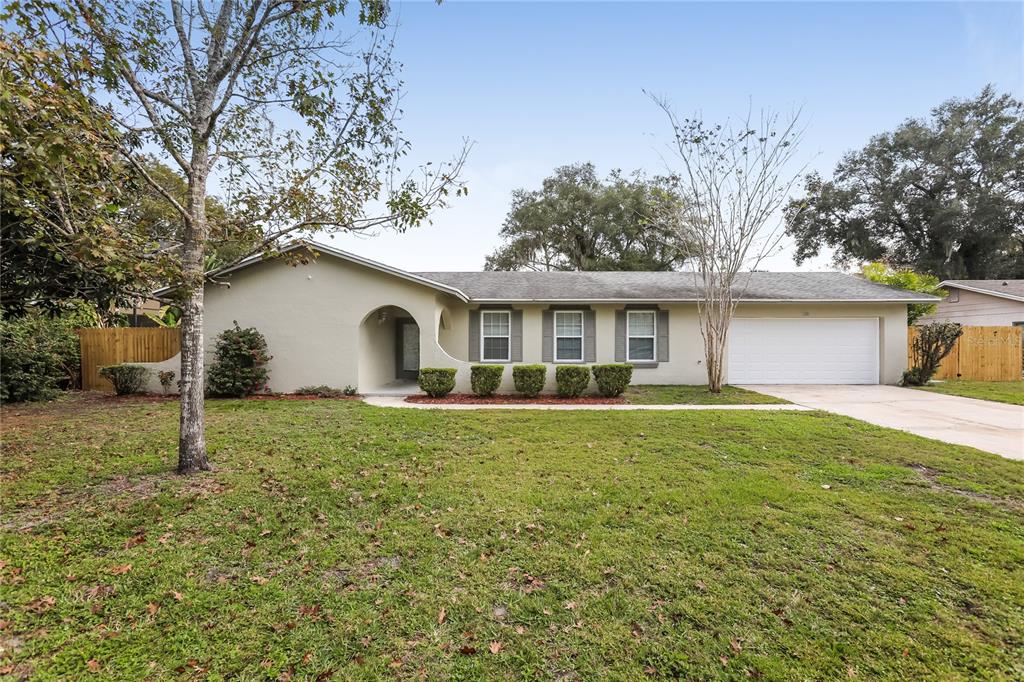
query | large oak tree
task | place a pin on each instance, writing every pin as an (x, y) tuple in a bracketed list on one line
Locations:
[(943, 196), (289, 107), (577, 221)]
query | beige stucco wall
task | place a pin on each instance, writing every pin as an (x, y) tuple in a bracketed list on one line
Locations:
[(312, 317), (977, 309)]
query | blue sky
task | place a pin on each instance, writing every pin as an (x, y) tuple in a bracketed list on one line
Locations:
[(538, 85)]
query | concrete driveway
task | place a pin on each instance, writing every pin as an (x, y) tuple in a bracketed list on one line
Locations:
[(982, 424)]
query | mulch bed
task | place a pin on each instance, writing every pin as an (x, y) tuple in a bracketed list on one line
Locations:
[(470, 399)]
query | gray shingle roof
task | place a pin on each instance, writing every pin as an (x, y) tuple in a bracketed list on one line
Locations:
[(654, 286), (999, 287)]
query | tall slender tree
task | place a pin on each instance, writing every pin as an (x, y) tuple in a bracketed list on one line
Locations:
[(289, 106), (735, 178)]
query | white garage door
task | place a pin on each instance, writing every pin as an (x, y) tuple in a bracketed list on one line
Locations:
[(803, 351)]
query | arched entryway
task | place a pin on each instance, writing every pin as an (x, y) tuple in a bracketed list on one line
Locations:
[(389, 351)]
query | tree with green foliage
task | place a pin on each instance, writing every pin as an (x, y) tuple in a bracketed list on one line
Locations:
[(907, 280), (64, 233), (289, 106), (943, 196), (577, 221)]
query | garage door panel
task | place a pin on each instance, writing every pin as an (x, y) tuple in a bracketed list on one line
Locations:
[(803, 351)]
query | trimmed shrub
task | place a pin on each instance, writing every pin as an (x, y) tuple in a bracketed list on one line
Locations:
[(485, 379), (529, 379), (933, 343), (437, 382), (571, 380), (612, 380), (239, 365), (127, 379), (349, 390), (321, 391)]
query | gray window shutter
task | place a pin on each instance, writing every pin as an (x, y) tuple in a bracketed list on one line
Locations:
[(662, 336), (589, 336), (620, 336), (474, 336), (516, 352), (547, 327)]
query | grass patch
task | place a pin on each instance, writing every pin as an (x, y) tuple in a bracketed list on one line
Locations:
[(1011, 392), (696, 395), (340, 540)]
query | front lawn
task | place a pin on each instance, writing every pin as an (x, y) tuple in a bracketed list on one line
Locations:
[(1000, 391), (340, 541), (696, 395)]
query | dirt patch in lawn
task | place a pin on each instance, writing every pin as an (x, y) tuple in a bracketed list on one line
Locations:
[(470, 399), (932, 476), (117, 493)]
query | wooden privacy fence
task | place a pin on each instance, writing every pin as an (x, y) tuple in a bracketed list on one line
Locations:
[(115, 345), (981, 354)]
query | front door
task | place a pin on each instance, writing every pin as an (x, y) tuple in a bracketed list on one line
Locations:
[(407, 346)]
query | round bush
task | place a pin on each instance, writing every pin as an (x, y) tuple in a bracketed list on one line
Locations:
[(612, 380), (529, 379), (485, 379), (127, 379), (571, 380), (239, 366), (437, 382)]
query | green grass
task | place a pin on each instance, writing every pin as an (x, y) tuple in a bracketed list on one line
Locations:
[(696, 395), (588, 545), (1000, 391)]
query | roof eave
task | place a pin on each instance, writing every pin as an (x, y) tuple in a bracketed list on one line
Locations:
[(337, 253), (979, 290), (930, 299)]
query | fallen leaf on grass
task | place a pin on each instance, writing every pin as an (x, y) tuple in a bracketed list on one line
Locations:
[(120, 569), (178, 596), (735, 645), (93, 665), (467, 650), (495, 647), (441, 616), (152, 608), (258, 579)]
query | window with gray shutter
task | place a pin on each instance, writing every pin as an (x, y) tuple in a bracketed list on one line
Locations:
[(662, 336), (474, 336), (590, 335), (517, 336), (620, 336), (547, 325)]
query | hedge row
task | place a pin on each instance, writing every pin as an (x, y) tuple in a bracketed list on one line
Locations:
[(570, 380)]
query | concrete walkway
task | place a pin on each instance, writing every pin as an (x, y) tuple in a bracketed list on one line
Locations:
[(983, 424), (395, 401)]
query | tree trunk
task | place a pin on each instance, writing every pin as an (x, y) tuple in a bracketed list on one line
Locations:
[(192, 426)]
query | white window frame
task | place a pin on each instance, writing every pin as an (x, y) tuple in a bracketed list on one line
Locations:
[(508, 316), (653, 337), (582, 337)]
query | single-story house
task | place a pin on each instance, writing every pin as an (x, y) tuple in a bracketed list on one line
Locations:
[(345, 320), (981, 302)]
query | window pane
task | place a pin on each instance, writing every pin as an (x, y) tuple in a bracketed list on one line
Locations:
[(641, 349), (569, 349), (495, 324), (496, 348), (568, 324), (641, 324)]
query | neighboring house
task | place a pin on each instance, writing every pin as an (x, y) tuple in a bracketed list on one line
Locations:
[(342, 319), (981, 302)]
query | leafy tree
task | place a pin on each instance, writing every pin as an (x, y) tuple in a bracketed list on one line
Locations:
[(290, 106), (64, 236), (576, 221), (908, 280), (943, 196), (931, 345)]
